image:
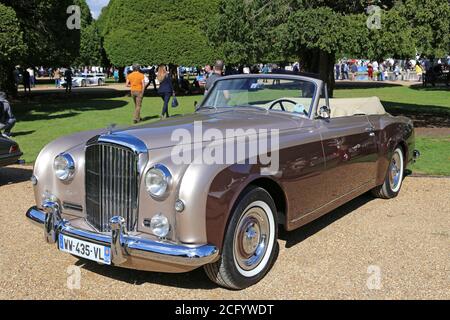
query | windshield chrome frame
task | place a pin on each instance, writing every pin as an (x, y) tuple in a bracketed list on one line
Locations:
[(314, 102)]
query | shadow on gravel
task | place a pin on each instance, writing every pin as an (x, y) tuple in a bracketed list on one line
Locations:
[(295, 237), (13, 175), (196, 279)]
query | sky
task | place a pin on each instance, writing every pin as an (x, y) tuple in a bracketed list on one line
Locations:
[(96, 6)]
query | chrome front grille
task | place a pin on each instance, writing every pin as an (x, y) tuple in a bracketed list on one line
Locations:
[(111, 185)]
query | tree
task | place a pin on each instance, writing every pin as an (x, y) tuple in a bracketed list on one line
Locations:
[(44, 25), (47, 39), (11, 43), (317, 32), (430, 20), (90, 53), (157, 31)]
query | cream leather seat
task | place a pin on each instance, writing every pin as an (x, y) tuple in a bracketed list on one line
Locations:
[(355, 106)]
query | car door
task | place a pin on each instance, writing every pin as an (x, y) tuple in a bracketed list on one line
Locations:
[(302, 165), (351, 154)]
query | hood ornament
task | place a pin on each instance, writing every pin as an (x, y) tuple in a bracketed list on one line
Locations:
[(111, 128)]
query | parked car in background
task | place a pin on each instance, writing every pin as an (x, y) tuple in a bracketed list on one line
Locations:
[(120, 198), (9, 152), (86, 79)]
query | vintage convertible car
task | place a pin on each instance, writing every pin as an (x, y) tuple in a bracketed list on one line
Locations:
[(9, 152), (122, 196)]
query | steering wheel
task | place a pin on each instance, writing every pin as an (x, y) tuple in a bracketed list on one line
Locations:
[(280, 102)]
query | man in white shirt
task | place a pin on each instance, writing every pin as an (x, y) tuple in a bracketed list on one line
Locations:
[(32, 77)]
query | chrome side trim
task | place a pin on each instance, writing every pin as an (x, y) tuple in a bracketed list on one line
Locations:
[(122, 244)]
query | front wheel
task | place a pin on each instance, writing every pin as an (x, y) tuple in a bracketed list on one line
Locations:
[(394, 177), (250, 247)]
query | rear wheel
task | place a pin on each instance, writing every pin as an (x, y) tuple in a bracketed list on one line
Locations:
[(394, 177), (250, 247), (100, 82), (83, 83)]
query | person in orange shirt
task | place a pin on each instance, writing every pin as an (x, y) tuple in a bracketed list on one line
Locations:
[(136, 81)]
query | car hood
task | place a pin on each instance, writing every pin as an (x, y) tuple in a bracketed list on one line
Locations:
[(163, 134)]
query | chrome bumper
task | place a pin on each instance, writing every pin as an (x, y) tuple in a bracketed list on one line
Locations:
[(122, 245)]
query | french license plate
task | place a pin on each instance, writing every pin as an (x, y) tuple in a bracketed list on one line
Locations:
[(83, 249)]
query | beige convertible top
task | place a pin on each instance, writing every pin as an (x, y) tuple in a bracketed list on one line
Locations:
[(355, 106)]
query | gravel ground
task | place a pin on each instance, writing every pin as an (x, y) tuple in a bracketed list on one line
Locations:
[(407, 240)]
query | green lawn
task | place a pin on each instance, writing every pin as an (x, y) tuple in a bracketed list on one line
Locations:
[(41, 122), (435, 157), (44, 119)]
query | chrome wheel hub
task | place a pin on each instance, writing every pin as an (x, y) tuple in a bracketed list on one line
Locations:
[(395, 171), (250, 239)]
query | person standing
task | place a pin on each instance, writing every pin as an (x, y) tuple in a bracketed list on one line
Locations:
[(165, 89), (419, 71), (396, 72), (370, 71), (354, 71), (136, 82), (68, 75), (337, 68), (346, 71), (116, 75), (152, 78), (216, 74), (17, 76), (57, 77), (32, 76), (26, 80), (7, 119), (208, 71)]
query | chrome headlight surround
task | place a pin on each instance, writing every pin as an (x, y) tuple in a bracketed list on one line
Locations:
[(158, 181), (64, 167)]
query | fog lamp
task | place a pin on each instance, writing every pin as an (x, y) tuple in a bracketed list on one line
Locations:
[(160, 225)]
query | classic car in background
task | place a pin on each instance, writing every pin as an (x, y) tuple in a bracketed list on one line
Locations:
[(86, 79), (118, 197), (9, 152)]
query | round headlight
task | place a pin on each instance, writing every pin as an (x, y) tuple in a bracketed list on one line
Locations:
[(64, 167), (160, 225), (157, 181)]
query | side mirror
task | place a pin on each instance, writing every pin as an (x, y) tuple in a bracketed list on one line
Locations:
[(324, 112)]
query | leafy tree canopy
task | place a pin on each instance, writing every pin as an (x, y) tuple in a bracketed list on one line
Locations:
[(319, 31), (158, 31), (11, 36), (46, 36)]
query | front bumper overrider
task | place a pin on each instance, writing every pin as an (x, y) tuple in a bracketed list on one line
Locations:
[(124, 247)]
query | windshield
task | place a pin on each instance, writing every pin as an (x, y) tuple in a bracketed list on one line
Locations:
[(287, 95)]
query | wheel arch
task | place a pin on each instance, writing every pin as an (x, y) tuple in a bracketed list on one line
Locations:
[(220, 209)]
